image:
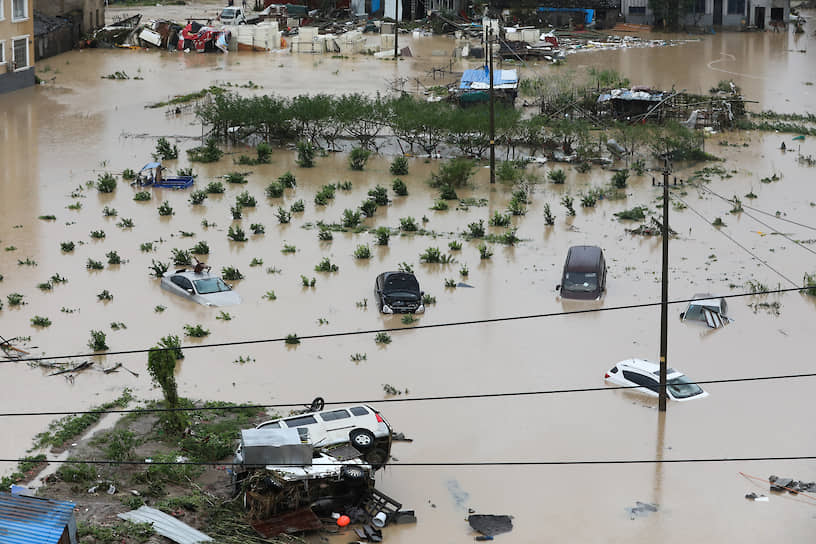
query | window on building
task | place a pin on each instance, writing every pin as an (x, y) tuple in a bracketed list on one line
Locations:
[(699, 6), (19, 51), (2, 51), (19, 9), (736, 7), (637, 10), (2, 12)]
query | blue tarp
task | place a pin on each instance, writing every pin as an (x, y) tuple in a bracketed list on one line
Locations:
[(150, 166), (589, 14), (480, 79)]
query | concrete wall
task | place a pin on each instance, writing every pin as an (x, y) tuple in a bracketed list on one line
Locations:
[(729, 20), (93, 11), (12, 79)]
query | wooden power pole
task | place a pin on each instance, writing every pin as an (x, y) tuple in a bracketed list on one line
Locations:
[(664, 295), (492, 112)]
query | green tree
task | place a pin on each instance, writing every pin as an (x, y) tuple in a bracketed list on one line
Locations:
[(161, 364)]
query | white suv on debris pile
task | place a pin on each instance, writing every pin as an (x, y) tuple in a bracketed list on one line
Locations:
[(361, 426)]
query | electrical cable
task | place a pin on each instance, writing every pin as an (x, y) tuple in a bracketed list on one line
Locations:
[(398, 329), (769, 214), (766, 225), (446, 463), (752, 254), (407, 399)]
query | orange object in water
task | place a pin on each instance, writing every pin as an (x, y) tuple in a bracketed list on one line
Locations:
[(342, 521)]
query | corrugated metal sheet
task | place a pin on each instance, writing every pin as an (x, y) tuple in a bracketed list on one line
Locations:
[(166, 525), (30, 520)]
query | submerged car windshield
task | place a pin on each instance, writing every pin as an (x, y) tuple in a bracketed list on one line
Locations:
[(211, 285), (402, 284), (683, 388), (581, 281)]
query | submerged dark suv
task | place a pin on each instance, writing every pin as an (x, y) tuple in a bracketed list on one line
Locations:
[(584, 274), (398, 293)]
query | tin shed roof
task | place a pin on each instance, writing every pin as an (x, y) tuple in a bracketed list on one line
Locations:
[(32, 520), (165, 525)]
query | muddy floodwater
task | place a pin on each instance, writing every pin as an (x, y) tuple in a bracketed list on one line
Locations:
[(57, 136)]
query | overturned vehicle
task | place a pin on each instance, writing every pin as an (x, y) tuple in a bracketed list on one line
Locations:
[(707, 309), (322, 460)]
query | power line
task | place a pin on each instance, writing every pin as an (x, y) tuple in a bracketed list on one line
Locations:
[(408, 399), (766, 225), (751, 253), (769, 214), (396, 329), (445, 463)]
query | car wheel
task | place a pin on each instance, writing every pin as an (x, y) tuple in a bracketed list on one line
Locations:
[(376, 458), (353, 473), (317, 404), (362, 440)]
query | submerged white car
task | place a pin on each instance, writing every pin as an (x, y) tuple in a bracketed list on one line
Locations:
[(646, 374), (202, 287)]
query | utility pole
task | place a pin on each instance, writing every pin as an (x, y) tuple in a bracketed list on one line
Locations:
[(664, 297), (492, 114), (396, 28)]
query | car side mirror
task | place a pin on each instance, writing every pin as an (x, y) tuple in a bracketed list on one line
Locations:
[(422, 293), (558, 287), (190, 290), (682, 315)]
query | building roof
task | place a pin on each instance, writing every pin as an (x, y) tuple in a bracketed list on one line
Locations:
[(43, 24), (165, 525), (32, 520), (480, 79)]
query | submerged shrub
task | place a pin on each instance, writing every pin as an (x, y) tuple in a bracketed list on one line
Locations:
[(399, 166), (358, 158), (106, 183), (399, 187)]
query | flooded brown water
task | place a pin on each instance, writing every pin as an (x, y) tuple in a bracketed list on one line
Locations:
[(57, 136)]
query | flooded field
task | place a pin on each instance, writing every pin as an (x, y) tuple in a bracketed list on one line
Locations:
[(58, 136)]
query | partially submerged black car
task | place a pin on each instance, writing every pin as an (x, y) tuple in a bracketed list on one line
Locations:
[(584, 274), (398, 293)]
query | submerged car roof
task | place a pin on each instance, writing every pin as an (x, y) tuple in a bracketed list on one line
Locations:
[(583, 258), (647, 366), (191, 275)]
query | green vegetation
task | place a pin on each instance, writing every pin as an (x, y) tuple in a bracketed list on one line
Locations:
[(97, 341), (208, 153), (433, 255), (557, 176), (201, 248), (484, 251), (51, 217), (215, 188), (500, 220), (399, 187), (92, 264), (297, 206), (567, 202), (97, 234), (292, 339), (125, 223), (231, 273), (274, 189), (288, 248), (362, 252), (198, 197), (476, 229), (306, 282), (383, 234), (236, 233), (128, 174), (368, 208), (549, 218), (142, 196), (305, 154), (196, 331), (179, 99), (40, 321), (161, 364), (165, 151), (358, 158), (351, 218), (165, 209), (113, 257), (619, 178), (399, 166), (326, 266), (106, 183), (237, 178), (245, 200), (382, 338), (257, 228), (638, 213), (288, 180), (67, 247), (105, 296), (181, 257), (159, 268)]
